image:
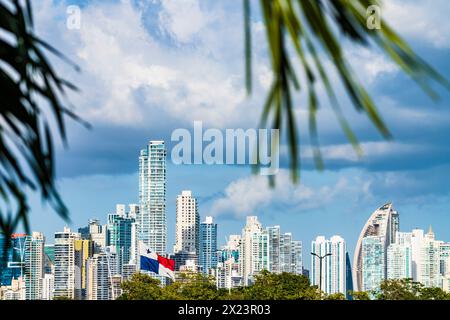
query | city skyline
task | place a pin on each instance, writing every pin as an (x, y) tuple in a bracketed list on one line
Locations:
[(204, 150), (184, 60), (82, 270)]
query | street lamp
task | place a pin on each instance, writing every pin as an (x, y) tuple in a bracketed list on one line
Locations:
[(320, 268)]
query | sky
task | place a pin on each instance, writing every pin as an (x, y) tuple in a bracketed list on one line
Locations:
[(150, 67)]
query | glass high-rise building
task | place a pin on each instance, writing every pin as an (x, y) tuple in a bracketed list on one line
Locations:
[(120, 234), (285, 254), (254, 250), (373, 262), (34, 265), (208, 245), (334, 276), (381, 229), (100, 270), (274, 248), (12, 260), (297, 257), (399, 257), (152, 197), (430, 273)]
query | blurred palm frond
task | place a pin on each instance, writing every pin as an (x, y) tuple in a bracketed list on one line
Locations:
[(31, 95), (310, 27)]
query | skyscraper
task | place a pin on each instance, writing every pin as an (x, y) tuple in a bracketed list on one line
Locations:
[(208, 245), (285, 254), (228, 273), (120, 234), (429, 265), (14, 258), (333, 266), (49, 258), (297, 257), (96, 232), (65, 271), (381, 227), (187, 224), (99, 275), (254, 250), (34, 265), (84, 249), (48, 284), (399, 257), (373, 262), (152, 197), (444, 253), (274, 234)]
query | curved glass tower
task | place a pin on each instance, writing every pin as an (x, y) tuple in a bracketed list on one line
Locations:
[(370, 260)]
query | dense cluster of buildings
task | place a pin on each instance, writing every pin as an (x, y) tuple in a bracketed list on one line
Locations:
[(91, 264)]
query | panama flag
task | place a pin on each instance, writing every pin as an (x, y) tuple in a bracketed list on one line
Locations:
[(151, 261)]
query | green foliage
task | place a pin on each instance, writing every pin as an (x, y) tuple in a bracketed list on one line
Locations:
[(192, 286), (141, 287), (284, 286), (31, 113), (268, 286), (336, 296), (359, 295), (401, 289), (434, 294), (311, 29), (406, 289)]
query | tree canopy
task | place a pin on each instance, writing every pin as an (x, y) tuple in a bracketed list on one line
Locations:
[(267, 286)]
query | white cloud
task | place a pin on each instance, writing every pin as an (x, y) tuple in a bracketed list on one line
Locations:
[(421, 19), (371, 151), (130, 78), (183, 18), (253, 196), (370, 65)]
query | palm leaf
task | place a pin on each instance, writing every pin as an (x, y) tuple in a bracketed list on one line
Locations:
[(305, 25), (26, 139)]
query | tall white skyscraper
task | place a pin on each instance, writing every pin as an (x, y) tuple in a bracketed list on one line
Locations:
[(430, 275), (34, 265), (285, 254), (297, 257), (399, 257), (380, 231), (417, 238), (99, 274), (48, 285), (65, 271), (333, 266), (254, 250), (444, 254), (187, 224), (152, 197)]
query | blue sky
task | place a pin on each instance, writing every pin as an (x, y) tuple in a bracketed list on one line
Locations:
[(150, 67)]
